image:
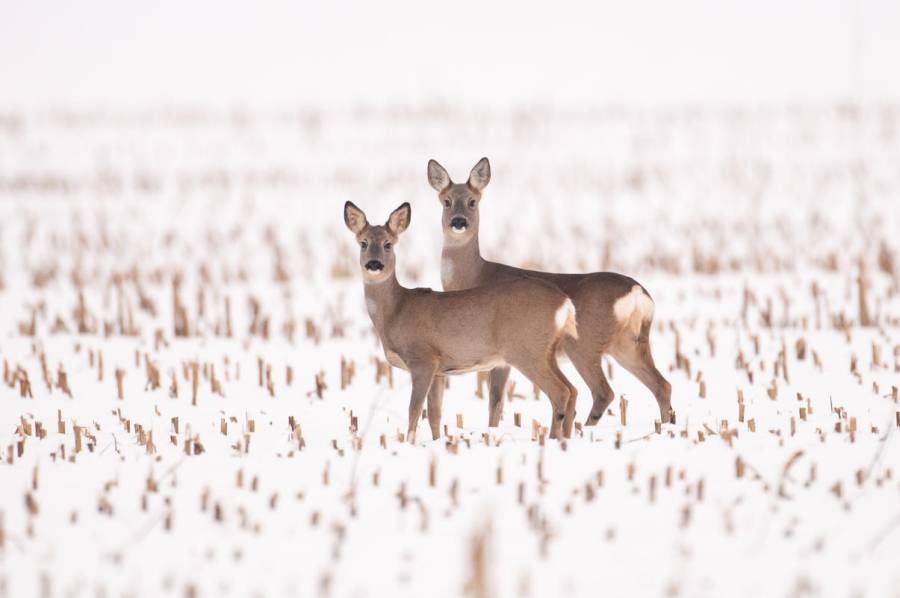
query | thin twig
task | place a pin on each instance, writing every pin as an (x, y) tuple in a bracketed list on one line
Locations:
[(885, 532)]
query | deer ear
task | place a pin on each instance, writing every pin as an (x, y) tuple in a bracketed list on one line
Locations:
[(437, 176), (399, 219), (480, 175), (354, 218)]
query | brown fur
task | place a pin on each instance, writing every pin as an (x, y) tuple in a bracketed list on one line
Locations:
[(433, 334), (593, 294)]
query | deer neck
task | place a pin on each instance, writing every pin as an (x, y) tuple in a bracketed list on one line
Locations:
[(461, 265), (382, 299)]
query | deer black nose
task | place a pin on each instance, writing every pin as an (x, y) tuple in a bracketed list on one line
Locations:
[(459, 223), (374, 266)]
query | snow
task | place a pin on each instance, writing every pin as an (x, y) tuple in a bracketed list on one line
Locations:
[(719, 213)]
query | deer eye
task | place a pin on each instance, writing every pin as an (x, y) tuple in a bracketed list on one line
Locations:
[(472, 204), (446, 203), (364, 244), (387, 245)]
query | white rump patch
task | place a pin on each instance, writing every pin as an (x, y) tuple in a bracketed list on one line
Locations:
[(634, 309), (565, 318)]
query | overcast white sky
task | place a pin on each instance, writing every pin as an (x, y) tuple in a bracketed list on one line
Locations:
[(642, 51)]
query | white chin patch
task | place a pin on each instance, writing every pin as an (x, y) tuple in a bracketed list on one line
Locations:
[(459, 230)]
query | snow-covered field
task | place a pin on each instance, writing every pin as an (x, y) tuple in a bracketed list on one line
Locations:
[(195, 403)]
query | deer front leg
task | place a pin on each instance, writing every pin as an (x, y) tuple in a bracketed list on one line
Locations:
[(422, 376), (498, 378), (435, 400)]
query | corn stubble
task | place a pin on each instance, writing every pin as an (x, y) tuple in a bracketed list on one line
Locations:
[(219, 381)]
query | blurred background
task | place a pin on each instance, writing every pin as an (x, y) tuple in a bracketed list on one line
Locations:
[(653, 138), (648, 52)]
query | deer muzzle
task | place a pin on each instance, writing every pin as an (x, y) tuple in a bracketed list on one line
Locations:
[(459, 224)]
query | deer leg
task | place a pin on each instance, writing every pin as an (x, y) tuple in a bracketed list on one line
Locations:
[(634, 355), (554, 385), (569, 421), (590, 369), (498, 378), (422, 377), (435, 400)]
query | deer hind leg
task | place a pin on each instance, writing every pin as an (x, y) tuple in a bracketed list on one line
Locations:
[(569, 420), (556, 387), (590, 368), (498, 378), (634, 355), (435, 401), (422, 376)]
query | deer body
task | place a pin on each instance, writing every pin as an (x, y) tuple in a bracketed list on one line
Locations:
[(412, 321), (520, 323), (615, 312)]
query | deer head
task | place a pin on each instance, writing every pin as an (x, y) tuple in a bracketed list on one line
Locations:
[(459, 200), (376, 243)]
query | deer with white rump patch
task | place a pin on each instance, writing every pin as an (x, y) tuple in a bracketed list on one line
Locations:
[(615, 313), (520, 323)]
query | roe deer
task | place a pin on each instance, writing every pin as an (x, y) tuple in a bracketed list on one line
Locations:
[(615, 313), (520, 323)]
